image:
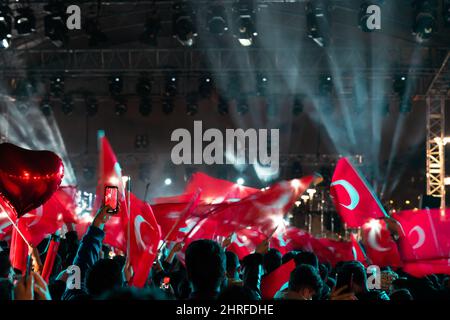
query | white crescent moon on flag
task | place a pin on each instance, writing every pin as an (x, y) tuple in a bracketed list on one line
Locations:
[(4, 226), (372, 239), (39, 212), (137, 231), (421, 237), (353, 194)]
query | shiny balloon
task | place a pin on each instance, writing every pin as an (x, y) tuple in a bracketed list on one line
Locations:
[(28, 178)]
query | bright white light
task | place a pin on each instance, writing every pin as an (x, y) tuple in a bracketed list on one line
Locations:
[(311, 192), (407, 202), (168, 181), (305, 197), (295, 183), (125, 179), (297, 203), (114, 181), (245, 42), (373, 224), (403, 78), (240, 181), (255, 34)]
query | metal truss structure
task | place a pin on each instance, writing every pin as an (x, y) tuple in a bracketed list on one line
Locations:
[(435, 140)]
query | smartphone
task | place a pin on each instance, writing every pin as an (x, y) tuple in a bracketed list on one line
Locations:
[(112, 199), (165, 283)]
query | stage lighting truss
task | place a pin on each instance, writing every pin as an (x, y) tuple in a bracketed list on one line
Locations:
[(67, 105), (167, 106), (262, 82), (245, 29), (144, 86), (25, 21), (205, 86), (121, 106), (171, 88), (5, 27), (46, 106), (183, 23), (317, 21), (56, 86), (217, 20)]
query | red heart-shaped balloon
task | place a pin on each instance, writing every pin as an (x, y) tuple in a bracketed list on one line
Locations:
[(28, 178)]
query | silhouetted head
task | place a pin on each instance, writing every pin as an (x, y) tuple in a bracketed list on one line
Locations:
[(353, 275), (305, 281), (205, 266), (272, 260), (306, 257), (232, 264), (105, 275), (401, 295), (288, 256)]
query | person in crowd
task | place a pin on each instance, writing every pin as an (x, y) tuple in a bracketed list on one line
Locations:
[(233, 267), (304, 283), (401, 295), (352, 274), (272, 260), (306, 257), (206, 269)]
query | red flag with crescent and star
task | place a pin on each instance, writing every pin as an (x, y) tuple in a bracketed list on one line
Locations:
[(144, 239), (423, 234), (110, 174), (353, 198)]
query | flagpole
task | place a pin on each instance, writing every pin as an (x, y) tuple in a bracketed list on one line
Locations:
[(128, 188)]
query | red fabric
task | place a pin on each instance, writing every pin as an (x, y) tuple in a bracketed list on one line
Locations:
[(424, 234), (18, 254), (144, 240), (6, 210), (357, 251), (332, 251), (276, 280), (424, 268), (50, 257), (355, 202), (110, 174), (217, 190), (380, 247)]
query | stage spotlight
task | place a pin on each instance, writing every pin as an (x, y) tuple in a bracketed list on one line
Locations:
[(261, 84), (115, 85), (91, 105), (121, 106), (205, 86), (46, 106), (240, 181), (141, 141), (55, 24), (297, 108), (424, 21), (317, 21), (217, 20), (245, 30), (67, 105), (192, 105), (399, 84), (167, 106), (168, 181), (242, 106), (325, 85), (222, 106), (145, 107), (183, 23), (152, 28), (144, 87), (25, 21), (5, 27), (56, 86), (171, 86)]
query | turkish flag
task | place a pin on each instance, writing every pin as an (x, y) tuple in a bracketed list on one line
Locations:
[(217, 190), (380, 247), (424, 268), (354, 200), (7, 217), (276, 280), (357, 251), (144, 240), (110, 174), (332, 251), (424, 234)]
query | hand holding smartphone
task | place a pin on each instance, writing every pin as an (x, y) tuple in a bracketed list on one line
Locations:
[(111, 199)]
